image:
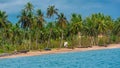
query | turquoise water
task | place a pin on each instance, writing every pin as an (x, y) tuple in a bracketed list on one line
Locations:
[(89, 59)]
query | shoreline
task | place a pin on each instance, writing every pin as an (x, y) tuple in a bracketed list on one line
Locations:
[(62, 50)]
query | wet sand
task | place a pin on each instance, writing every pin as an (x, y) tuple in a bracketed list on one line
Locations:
[(62, 50)]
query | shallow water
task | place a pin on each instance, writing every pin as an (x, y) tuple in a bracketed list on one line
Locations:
[(89, 59)]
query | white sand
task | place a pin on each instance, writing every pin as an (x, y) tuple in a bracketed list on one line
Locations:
[(62, 50)]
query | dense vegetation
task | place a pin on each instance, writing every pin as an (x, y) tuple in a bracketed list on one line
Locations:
[(33, 32)]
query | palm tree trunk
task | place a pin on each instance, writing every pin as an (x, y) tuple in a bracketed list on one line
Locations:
[(91, 43), (37, 40), (79, 38), (30, 41), (61, 40), (48, 43), (24, 44)]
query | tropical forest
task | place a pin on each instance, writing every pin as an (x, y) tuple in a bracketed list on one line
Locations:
[(36, 30)]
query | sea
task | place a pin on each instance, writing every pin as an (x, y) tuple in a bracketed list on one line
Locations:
[(109, 58)]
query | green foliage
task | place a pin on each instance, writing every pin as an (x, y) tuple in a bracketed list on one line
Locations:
[(103, 41), (114, 39), (1, 51), (85, 41), (32, 32), (55, 44)]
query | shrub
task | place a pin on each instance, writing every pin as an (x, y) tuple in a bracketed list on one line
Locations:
[(103, 41), (85, 41), (1, 51)]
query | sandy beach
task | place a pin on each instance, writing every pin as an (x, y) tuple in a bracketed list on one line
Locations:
[(62, 50)]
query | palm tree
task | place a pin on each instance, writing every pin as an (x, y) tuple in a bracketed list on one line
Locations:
[(3, 26), (51, 10), (3, 19), (29, 7), (75, 25), (104, 25), (26, 19), (62, 23), (23, 19), (15, 35), (40, 21), (116, 29), (89, 29), (100, 23), (49, 27)]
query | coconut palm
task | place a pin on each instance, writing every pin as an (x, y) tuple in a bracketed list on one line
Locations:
[(40, 21), (3, 19), (101, 26), (26, 19), (3, 26), (89, 29), (23, 19), (116, 29), (62, 23), (75, 26), (29, 7), (51, 11)]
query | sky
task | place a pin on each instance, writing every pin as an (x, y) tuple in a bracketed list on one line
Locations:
[(83, 7)]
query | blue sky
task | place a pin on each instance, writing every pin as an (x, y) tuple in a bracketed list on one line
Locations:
[(83, 7)]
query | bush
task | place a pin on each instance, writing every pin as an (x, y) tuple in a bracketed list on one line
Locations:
[(1, 51), (55, 43), (114, 39), (103, 41), (85, 41)]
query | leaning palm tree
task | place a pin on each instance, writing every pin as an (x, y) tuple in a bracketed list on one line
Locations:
[(62, 23)]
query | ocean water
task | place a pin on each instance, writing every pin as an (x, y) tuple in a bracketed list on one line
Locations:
[(89, 59)]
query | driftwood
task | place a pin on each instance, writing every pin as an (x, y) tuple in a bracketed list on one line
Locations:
[(47, 49), (4, 54), (14, 53), (23, 51)]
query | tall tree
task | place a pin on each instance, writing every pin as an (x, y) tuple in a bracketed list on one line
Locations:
[(51, 11), (3, 19), (62, 23), (26, 19), (40, 22), (116, 28), (40, 19), (4, 26), (76, 26)]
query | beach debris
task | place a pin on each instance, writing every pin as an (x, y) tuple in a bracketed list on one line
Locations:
[(23, 51), (47, 49)]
